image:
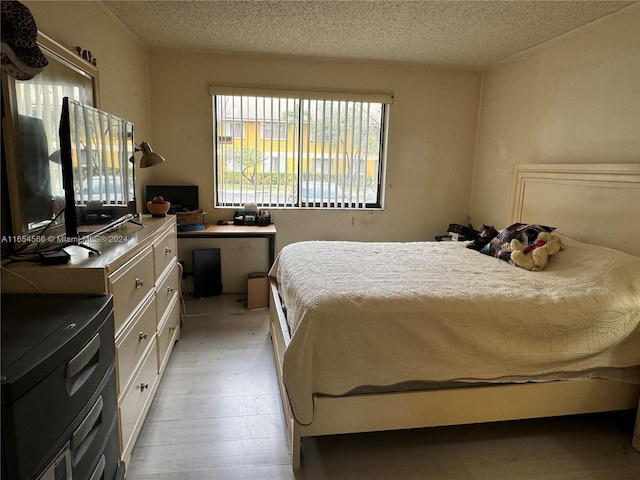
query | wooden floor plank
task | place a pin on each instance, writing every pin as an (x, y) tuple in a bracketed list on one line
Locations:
[(218, 416)]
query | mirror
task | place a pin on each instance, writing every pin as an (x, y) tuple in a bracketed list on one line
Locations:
[(31, 141)]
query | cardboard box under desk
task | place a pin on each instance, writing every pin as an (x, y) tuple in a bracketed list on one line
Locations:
[(189, 218), (257, 293)]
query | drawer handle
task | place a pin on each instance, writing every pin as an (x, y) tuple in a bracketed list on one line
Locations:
[(90, 423), (80, 368), (142, 336), (143, 386), (169, 289), (84, 358), (167, 250), (171, 328), (99, 470), (139, 283)]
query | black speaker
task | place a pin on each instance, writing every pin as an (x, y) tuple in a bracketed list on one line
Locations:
[(207, 274)]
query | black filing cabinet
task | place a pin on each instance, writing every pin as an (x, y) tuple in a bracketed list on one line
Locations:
[(59, 400)]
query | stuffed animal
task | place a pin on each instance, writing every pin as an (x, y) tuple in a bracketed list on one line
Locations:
[(536, 255)]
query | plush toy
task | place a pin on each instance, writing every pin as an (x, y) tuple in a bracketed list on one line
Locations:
[(536, 255)]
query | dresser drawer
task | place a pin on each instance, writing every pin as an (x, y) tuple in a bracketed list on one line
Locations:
[(134, 340), (130, 284), (167, 287), (165, 250), (168, 333), (133, 406)]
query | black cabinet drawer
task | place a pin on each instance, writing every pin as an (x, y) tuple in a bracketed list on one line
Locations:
[(94, 432), (57, 362)]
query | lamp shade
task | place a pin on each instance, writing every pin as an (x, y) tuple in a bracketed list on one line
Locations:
[(149, 157)]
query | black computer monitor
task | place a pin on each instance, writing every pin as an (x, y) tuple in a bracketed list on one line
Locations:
[(183, 198)]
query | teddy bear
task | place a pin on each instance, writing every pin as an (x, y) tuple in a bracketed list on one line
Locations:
[(535, 256)]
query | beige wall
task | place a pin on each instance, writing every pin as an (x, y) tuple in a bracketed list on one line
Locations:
[(121, 58), (430, 150), (431, 137), (573, 100)]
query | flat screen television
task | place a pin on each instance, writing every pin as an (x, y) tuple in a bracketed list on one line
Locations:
[(98, 176)]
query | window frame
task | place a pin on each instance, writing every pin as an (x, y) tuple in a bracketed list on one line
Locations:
[(385, 100)]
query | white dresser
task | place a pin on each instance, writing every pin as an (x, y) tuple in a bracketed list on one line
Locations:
[(138, 265)]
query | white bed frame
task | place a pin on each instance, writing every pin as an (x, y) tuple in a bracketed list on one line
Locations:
[(595, 203)]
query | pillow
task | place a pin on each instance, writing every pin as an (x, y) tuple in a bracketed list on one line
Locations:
[(525, 232)]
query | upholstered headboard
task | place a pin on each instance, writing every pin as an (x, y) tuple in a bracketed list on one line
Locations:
[(598, 204)]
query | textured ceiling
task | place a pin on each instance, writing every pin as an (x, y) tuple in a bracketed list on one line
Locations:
[(447, 33)]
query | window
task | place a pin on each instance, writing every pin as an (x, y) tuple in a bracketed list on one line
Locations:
[(274, 131), (233, 130), (299, 149)]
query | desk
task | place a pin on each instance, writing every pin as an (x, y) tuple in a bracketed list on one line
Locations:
[(237, 231)]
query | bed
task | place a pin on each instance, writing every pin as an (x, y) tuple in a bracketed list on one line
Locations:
[(376, 336)]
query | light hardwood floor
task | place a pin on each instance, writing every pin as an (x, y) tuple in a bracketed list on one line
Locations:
[(218, 416)]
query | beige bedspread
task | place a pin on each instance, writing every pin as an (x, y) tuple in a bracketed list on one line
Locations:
[(383, 313)]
